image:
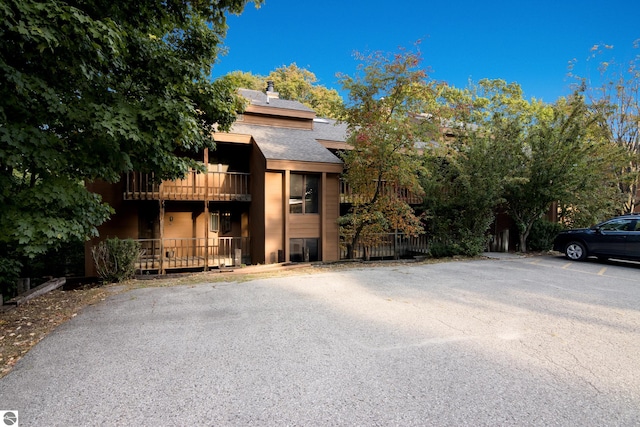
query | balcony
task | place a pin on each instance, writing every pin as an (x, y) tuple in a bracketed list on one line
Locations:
[(181, 254), (348, 196), (196, 186)]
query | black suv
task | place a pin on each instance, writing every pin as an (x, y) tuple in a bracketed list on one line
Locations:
[(618, 237)]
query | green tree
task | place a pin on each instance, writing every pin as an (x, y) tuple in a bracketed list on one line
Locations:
[(557, 157), (384, 122), (462, 193), (245, 80), (505, 151), (292, 83), (91, 90), (469, 165), (615, 95)]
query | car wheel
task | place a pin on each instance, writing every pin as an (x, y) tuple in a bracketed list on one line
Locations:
[(575, 251)]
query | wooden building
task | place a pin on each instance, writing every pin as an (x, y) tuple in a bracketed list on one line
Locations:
[(271, 194)]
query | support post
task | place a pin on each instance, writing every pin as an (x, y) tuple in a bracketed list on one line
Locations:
[(161, 266), (286, 190), (206, 210)]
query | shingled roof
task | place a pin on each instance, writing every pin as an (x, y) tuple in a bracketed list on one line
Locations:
[(282, 143), (288, 144), (259, 98)]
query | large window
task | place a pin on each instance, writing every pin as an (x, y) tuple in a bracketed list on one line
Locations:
[(303, 250), (303, 194), (618, 224)]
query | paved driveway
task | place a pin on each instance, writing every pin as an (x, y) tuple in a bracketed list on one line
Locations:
[(527, 341)]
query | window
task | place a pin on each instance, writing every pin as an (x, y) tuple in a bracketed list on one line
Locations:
[(220, 222), (619, 224), (215, 222), (303, 250), (303, 194)]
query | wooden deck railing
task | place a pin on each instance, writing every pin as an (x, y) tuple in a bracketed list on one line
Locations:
[(170, 254), (214, 186), (388, 246), (348, 196)]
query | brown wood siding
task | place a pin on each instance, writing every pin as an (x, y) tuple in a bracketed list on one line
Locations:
[(307, 167), (236, 138), (178, 225), (273, 221), (335, 145), (124, 224), (304, 225), (270, 111), (273, 121), (202, 224), (331, 241)]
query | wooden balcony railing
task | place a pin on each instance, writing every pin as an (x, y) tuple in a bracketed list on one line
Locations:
[(214, 186), (170, 254), (388, 246), (348, 196)]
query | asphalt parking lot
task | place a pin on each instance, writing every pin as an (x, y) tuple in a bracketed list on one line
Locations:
[(501, 342)]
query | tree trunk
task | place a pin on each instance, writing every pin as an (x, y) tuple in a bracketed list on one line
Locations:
[(523, 241), (349, 250), (351, 247), (524, 235)]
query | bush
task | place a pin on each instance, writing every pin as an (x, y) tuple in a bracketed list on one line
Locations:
[(9, 274), (116, 259), (443, 249), (469, 245), (542, 234), (64, 261)]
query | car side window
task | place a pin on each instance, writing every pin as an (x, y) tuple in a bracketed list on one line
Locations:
[(617, 225)]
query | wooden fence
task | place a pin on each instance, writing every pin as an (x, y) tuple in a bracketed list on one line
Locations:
[(173, 254), (388, 246)]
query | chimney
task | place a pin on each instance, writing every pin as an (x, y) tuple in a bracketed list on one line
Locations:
[(271, 92)]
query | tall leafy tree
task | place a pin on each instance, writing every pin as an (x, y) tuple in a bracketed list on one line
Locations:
[(521, 155), (245, 80), (385, 120), (614, 93), (292, 83), (463, 190), (94, 89), (557, 158)]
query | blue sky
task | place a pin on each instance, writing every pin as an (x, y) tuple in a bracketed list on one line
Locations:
[(529, 42)]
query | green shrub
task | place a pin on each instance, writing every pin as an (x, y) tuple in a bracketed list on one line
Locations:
[(9, 274), (116, 259), (542, 234), (469, 245), (442, 249), (64, 261)]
